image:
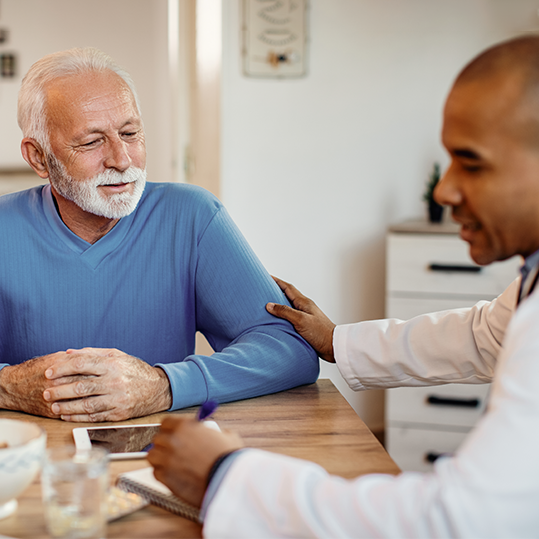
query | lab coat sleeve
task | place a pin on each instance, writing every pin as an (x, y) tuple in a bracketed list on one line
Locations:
[(455, 346), (490, 488)]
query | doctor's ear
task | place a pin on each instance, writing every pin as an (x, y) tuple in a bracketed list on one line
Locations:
[(34, 155)]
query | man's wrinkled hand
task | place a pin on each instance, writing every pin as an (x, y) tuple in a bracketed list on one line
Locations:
[(184, 452), (105, 385), (308, 320), (22, 385)]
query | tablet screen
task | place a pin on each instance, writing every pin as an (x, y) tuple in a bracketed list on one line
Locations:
[(125, 439)]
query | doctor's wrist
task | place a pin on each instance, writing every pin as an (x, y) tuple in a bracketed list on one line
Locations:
[(216, 476)]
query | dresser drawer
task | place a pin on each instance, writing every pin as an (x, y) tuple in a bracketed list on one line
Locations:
[(416, 449), (457, 405), (411, 257)]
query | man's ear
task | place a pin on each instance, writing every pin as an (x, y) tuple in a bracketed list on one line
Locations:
[(34, 155)]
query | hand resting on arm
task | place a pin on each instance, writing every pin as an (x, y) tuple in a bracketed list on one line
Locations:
[(87, 385), (308, 320)]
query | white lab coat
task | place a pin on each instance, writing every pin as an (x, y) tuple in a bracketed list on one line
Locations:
[(489, 489)]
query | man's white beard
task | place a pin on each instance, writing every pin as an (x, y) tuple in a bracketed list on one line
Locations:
[(85, 195)]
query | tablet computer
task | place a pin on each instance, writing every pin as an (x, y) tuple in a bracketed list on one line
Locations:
[(121, 441)]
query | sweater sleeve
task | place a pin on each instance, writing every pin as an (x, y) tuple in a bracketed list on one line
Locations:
[(255, 353), (456, 346)]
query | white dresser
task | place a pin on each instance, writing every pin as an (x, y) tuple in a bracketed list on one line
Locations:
[(429, 269)]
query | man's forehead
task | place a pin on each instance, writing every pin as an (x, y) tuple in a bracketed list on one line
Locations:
[(84, 88), (85, 101)]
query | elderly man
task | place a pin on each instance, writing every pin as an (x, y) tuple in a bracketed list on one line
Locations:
[(490, 488), (105, 279)]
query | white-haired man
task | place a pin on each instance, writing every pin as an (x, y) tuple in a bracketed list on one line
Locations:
[(105, 279), (490, 488)]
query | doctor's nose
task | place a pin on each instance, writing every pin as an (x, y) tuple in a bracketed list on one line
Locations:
[(447, 192)]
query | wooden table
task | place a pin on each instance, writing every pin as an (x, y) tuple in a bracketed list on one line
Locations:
[(311, 422)]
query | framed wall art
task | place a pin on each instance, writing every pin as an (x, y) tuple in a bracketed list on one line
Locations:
[(275, 38)]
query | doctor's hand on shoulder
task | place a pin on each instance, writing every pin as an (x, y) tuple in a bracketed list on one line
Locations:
[(307, 318)]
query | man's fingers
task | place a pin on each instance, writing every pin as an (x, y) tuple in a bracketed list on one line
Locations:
[(81, 388), (285, 312), (88, 405), (89, 418), (76, 363), (103, 352), (88, 410)]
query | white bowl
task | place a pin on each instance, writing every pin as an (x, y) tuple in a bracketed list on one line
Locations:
[(20, 461)]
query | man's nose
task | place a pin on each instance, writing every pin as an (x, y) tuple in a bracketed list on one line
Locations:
[(447, 192), (118, 155)]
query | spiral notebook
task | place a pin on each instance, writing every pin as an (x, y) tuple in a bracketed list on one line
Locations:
[(144, 483)]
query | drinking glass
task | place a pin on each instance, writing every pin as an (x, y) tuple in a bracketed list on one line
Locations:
[(74, 487)]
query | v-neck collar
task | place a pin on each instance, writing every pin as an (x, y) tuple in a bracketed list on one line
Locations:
[(91, 254)]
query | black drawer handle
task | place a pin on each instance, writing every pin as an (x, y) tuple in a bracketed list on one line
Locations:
[(452, 401), (463, 268), (431, 457)]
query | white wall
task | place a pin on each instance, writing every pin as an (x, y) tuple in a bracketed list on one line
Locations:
[(314, 170), (133, 32)]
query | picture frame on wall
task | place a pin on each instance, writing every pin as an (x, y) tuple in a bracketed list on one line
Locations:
[(275, 38)]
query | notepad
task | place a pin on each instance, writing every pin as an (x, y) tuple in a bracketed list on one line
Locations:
[(144, 483)]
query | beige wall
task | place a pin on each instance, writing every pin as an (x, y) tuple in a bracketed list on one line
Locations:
[(204, 144), (133, 32)]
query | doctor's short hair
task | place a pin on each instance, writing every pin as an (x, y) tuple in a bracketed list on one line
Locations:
[(31, 113)]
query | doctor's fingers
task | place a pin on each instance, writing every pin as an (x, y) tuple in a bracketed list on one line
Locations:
[(173, 422), (191, 436), (298, 300), (295, 317), (180, 432)]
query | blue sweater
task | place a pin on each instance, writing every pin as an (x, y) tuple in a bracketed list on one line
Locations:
[(176, 265)]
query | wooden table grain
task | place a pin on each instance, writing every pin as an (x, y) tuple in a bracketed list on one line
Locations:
[(312, 422)]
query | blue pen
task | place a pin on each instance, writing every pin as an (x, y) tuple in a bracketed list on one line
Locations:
[(206, 410)]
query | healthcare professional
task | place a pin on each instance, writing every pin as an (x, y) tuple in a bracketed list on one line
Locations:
[(490, 487)]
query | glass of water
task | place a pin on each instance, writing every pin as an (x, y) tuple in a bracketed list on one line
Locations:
[(74, 486)]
